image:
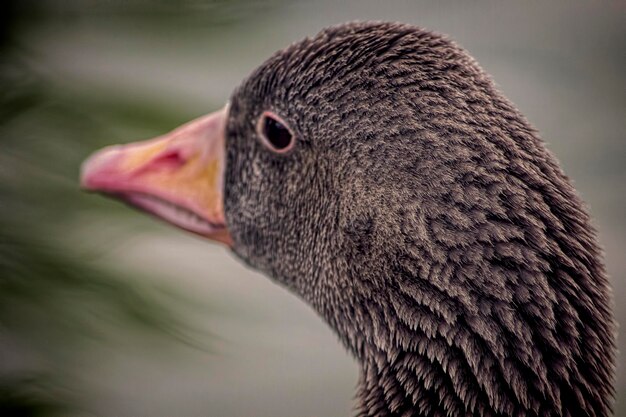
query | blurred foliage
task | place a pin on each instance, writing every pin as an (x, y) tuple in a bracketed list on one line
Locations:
[(29, 397), (179, 14), (53, 298)]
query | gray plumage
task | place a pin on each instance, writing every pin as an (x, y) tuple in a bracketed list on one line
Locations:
[(422, 217)]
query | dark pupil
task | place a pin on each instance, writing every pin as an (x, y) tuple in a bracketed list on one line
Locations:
[(276, 133)]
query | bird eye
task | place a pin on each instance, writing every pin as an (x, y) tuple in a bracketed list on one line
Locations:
[(275, 133)]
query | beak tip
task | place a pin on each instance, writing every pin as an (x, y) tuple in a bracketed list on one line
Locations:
[(93, 170), (87, 171)]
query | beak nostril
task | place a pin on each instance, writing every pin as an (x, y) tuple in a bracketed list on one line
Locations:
[(168, 159)]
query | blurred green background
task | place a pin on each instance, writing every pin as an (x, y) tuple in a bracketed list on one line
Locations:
[(105, 312)]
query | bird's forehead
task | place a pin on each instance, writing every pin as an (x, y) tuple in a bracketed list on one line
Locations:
[(325, 58)]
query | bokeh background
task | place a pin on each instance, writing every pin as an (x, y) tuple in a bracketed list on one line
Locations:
[(106, 312)]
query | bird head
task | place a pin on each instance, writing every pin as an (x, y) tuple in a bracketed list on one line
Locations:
[(320, 157), (308, 168)]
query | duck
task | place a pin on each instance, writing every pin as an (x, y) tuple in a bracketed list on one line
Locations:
[(377, 172)]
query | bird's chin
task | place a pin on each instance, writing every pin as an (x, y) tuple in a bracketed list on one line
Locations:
[(175, 214)]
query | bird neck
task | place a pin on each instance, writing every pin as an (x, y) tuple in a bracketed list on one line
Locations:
[(428, 349), (498, 310), (381, 392), (408, 365)]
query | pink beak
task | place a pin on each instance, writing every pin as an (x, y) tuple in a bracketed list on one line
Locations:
[(177, 177)]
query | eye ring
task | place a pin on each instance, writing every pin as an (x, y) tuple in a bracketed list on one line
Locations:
[(275, 133)]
